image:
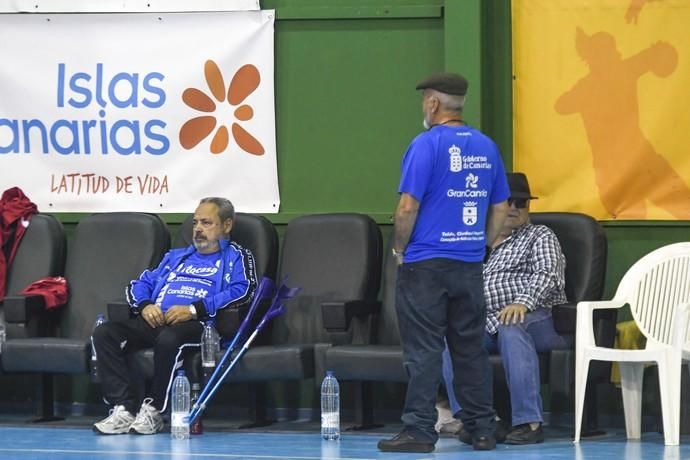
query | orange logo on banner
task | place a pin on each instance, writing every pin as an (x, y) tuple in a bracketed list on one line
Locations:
[(245, 81)]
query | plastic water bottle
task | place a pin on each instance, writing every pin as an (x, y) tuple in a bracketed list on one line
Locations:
[(210, 345), (179, 417), (95, 377), (330, 408), (198, 426)]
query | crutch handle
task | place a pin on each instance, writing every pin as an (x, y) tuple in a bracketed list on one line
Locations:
[(272, 313)]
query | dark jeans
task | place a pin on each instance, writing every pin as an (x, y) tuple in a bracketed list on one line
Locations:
[(437, 299), (114, 340)]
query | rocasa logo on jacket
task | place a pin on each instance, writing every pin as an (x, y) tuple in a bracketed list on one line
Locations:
[(245, 81)]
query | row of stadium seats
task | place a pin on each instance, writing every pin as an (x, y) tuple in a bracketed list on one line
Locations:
[(338, 321)]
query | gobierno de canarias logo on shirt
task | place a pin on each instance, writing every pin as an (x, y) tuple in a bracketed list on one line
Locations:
[(107, 110)]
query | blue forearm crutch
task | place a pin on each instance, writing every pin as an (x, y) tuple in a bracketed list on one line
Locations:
[(277, 308), (265, 290)]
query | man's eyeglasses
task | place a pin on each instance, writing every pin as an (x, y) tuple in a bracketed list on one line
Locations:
[(520, 203)]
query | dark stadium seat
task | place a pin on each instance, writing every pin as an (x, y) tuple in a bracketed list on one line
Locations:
[(378, 361), (107, 252), (41, 253), (336, 260), (585, 247)]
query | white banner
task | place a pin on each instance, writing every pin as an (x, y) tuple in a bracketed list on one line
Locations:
[(124, 6), (138, 112)]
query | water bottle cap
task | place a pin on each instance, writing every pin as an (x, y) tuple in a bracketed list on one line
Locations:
[(209, 322), (329, 373), (180, 372)]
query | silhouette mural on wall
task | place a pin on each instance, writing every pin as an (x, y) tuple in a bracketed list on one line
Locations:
[(627, 169)]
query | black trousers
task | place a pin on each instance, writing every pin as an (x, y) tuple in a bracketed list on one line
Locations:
[(114, 340), (437, 299)]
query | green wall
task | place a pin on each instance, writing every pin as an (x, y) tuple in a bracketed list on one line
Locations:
[(346, 105), (345, 99)]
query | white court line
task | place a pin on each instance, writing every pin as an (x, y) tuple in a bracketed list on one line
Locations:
[(174, 453)]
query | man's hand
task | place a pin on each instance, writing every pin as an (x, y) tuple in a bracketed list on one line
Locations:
[(153, 315), (398, 256), (177, 314), (512, 314)]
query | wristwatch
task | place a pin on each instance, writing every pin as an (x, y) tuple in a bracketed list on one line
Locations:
[(192, 310)]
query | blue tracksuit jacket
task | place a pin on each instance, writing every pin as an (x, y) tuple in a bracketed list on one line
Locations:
[(235, 282)]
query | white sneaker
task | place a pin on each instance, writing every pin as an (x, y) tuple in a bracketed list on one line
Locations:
[(452, 427), (446, 423), (149, 420), (118, 422)]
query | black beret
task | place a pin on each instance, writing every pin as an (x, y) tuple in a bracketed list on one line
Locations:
[(449, 83)]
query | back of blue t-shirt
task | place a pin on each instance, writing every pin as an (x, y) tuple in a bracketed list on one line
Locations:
[(456, 173)]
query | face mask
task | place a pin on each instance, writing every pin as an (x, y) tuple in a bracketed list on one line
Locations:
[(425, 122)]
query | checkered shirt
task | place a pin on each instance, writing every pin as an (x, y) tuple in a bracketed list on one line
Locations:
[(527, 268)]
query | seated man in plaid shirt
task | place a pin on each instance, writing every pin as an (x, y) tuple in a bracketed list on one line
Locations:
[(524, 277)]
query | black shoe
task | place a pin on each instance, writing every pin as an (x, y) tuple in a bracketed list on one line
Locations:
[(465, 436), (524, 434), (500, 433), (405, 442), (484, 443)]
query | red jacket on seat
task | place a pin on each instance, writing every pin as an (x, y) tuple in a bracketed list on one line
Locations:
[(15, 214)]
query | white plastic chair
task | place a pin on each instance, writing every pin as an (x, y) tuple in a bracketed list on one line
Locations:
[(657, 288)]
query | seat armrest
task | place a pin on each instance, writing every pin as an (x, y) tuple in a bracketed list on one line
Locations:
[(118, 311), (228, 320), (584, 331), (564, 318), (337, 315), (21, 308)]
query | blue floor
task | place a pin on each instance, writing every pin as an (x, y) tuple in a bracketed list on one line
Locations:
[(81, 443)]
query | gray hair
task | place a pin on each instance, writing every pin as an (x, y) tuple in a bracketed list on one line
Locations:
[(450, 102), (225, 208)]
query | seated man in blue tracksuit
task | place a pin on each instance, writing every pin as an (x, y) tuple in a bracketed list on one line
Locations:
[(169, 305)]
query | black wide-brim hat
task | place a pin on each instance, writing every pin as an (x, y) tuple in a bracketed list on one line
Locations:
[(519, 187)]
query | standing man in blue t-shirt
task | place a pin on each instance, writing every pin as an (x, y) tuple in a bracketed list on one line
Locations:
[(453, 200), (169, 305)]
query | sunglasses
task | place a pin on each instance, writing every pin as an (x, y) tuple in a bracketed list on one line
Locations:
[(520, 203)]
